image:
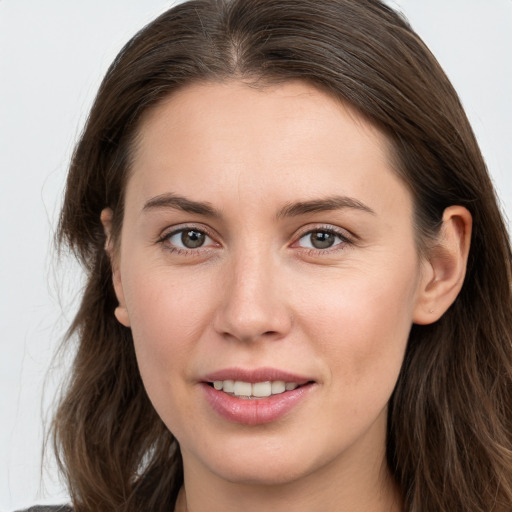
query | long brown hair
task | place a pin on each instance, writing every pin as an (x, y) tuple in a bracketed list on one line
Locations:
[(450, 419)]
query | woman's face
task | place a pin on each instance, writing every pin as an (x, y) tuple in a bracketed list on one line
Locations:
[(267, 244)]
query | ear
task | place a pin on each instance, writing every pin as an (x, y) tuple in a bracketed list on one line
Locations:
[(444, 267), (121, 312)]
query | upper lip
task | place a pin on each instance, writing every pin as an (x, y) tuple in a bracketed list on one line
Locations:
[(253, 375)]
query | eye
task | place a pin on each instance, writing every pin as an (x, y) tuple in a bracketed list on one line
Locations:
[(320, 239), (188, 238)]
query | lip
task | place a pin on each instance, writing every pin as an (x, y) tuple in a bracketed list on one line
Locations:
[(262, 374), (255, 411)]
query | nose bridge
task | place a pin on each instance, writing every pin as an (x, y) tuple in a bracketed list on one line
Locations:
[(253, 304)]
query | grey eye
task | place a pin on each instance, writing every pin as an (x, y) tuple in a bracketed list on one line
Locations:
[(320, 240), (189, 239), (192, 239)]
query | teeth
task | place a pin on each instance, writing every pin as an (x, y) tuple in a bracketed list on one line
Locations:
[(256, 390), (242, 388), (228, 386), (278, 386), (261, 389)]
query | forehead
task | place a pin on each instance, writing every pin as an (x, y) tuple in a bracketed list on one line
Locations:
[(236, 109), (287, 141)]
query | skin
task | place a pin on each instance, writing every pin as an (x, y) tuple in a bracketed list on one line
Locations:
[(257, 294)]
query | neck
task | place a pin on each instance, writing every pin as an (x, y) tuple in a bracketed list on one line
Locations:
[(370, 488), (389, 501)]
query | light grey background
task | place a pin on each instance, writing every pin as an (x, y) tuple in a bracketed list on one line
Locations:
[(52, 57)]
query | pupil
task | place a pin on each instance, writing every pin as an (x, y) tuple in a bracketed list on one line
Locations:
[(192, 239), (322, 240)]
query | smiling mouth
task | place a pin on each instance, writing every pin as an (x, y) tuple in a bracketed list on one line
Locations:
[(255, 397), (254, 390)]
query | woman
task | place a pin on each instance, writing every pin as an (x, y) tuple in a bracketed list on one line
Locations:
[(298, 277)]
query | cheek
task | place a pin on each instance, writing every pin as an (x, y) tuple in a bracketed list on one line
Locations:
[(167, 314), (363, 320)]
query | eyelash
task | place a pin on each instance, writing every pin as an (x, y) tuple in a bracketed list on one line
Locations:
[(344, 240), (165, 238)]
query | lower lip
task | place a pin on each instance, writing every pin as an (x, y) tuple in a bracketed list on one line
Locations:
[(254, 411)]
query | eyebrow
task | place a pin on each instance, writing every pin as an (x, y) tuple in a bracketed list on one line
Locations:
[(323, 205), (177, 202)]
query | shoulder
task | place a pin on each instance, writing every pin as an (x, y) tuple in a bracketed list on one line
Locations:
[(48, 508)]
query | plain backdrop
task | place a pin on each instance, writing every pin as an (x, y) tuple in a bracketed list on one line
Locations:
[(52, 57)]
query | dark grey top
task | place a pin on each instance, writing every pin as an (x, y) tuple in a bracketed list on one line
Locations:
[(48, 508)]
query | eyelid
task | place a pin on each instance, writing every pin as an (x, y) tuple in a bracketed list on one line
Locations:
[(170, 231), (347, 238), (330, 228)]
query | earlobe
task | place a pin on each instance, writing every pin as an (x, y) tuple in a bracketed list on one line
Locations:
[(121, 313), (444, 267)]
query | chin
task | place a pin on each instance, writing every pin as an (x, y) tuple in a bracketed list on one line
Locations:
[(263, 474), (258, 462)]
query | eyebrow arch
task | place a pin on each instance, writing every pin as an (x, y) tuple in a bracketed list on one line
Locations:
[(323, 205), (177, 202)]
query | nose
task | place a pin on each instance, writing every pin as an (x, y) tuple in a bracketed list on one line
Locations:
[(253, 304)]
